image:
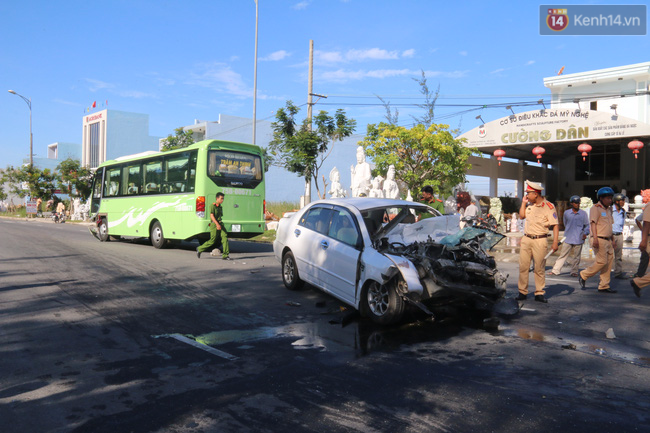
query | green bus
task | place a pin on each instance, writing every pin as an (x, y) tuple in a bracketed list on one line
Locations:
[(167, 195)]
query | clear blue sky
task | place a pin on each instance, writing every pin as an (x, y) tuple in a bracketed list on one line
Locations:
[(183, 60)]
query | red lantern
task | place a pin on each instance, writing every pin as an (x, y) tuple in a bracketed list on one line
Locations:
[(499, 153), (585, 149), (539, 150), (635, 145)]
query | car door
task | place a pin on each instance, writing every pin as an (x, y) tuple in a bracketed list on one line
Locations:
[(310, 235), (340, 252)]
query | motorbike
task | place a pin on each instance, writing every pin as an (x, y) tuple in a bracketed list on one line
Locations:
[(487, 222), (58, 217)]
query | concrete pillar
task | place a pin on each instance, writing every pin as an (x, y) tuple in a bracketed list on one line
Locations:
[(521, 179), (494, 176)]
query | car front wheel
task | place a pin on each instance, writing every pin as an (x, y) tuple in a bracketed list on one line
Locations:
[(290, 272), (381, 303)]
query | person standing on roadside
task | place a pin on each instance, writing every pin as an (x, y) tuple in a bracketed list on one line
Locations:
[(576, 230), (540, 216), (645, 257), (641, 281), (618, 213), (217, 230), (601, 220), (469, 212)]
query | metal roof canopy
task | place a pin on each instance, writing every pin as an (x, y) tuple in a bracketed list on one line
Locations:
[(559, 131)]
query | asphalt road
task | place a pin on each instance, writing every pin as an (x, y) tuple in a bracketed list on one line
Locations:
[(97, 337)]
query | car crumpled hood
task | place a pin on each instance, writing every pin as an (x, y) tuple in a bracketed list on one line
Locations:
[(450, 266)]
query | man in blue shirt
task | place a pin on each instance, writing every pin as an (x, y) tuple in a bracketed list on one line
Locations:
[(576, 230), (618, 212)]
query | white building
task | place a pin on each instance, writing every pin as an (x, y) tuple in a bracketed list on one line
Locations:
[(108, 134), (606, 109)]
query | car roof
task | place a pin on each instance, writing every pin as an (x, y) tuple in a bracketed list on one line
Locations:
[(365, 203)]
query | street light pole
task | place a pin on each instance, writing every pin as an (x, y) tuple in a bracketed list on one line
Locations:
[(255, 76), (31, 137)]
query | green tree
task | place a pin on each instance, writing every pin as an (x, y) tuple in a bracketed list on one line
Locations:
[(301, 149), (3, 194), (180, 140), (429, 104), (421, 155), (29, 181), (74, 179)]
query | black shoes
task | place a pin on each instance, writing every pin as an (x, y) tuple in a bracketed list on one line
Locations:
[(226, 258), (198, 253), (521, 297), (608, 291), (637, 289), (621, 276), (581, 282), (541, 298)]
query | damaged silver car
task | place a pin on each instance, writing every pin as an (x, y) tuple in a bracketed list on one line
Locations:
[(380, 255)]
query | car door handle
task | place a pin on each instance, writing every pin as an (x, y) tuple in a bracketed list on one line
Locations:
[(297, 232), (324, 244)]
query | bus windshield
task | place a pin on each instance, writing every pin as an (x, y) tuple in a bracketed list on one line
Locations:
[(228, 168)]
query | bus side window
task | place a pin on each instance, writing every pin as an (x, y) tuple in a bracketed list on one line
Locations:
[(112, 182), (153, 176)]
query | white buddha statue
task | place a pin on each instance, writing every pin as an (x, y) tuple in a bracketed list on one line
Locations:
[(376, 190), (391, 189), (361, 175), (336, 190)]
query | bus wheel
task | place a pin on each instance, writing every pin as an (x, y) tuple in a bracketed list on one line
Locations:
[(157, 237), (103, 230)]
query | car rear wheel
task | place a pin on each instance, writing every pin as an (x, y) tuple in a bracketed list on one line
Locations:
[(381, 303), (290, 272)]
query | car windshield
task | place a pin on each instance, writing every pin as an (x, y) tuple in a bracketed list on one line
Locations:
[(384, 220)]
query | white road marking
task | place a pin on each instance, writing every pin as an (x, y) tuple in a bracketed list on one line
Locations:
[(212, 350)]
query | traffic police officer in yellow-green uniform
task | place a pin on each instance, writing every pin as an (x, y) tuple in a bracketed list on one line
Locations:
[(217, 229), (540, 215), (602, 241)]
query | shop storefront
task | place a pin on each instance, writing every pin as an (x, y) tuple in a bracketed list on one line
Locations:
[(593, 135)]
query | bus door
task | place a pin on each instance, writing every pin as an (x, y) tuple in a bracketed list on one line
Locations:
[(96, 195)]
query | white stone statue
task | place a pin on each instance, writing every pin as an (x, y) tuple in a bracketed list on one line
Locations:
[(76, 209), (361, 175), (391, 189), (376, 190), (85, 210), (336, 190), (514, 223), (451, 205)]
